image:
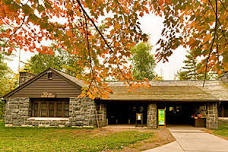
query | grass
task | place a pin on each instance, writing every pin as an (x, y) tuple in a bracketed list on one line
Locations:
[(222, 130), (65, 139)]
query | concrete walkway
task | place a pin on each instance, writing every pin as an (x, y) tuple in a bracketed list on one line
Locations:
[(193, 140)]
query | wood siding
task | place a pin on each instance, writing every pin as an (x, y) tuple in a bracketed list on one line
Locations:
[(57, 86)]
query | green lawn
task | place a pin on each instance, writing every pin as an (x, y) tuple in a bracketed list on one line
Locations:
[(65, 139), (222, 130)]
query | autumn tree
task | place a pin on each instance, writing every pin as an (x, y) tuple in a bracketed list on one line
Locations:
[(143, 62), (73, 26), (102, 32), (7, 82), (200, 25)]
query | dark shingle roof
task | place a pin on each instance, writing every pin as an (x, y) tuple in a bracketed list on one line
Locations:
[(159, 91), (172, 91)]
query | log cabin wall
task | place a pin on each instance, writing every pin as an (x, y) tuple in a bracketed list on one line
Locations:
[(45, 87)]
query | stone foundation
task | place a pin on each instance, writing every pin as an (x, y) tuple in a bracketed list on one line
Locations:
[(212, 116), (152, 116)]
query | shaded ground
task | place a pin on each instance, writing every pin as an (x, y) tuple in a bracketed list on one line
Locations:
[(83, 140)]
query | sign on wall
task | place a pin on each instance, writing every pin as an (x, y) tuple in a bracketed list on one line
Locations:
[(47, 95), (161, 117)]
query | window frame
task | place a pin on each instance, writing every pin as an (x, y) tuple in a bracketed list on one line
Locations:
[(38, 107)]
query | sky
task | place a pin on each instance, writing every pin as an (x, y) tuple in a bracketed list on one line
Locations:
[(150, 24)]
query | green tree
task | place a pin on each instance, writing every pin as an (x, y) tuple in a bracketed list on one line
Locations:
[(3, 66), (192, 69), (41, 62), (7, 82), (143, 62), (61, 61)]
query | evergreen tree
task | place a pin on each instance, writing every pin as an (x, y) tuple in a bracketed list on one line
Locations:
[(190, 71)]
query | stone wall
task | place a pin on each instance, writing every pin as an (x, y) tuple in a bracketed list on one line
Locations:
[(17, 111), (82, 112), (212, 116), (152, 116), (102, 114)]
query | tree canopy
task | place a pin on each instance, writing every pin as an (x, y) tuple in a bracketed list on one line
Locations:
[(7, 82), (40, 62), (143, 62), (102, 32), (3, 66), (61, 61)]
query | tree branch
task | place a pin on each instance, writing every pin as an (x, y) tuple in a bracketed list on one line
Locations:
[(79, 3), (15, 31), (212, 43), (223, 5), (217, 17)]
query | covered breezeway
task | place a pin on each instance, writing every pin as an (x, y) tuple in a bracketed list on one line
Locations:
[(125, 112), (184, 113)]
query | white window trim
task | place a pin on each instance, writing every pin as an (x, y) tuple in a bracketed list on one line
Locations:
[(47, 118)]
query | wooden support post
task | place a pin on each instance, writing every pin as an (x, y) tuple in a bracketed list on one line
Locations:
[(62, 109), (39, 111), (55, 108), (223, 110)]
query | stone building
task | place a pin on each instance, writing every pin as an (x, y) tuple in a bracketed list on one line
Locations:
[(51, 99)]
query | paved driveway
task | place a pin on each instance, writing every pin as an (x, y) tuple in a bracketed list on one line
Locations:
[(193, 140)]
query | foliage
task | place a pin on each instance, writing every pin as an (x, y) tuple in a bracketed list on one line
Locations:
[(7, 82), (143, 62), (40, 62), (158, 78), (103, 50), (61, 61), (68, 25), (3, 66), (191, 70), (65, 139), (200, 25)]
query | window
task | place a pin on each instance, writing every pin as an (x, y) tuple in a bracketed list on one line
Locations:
[(49, 75), (50, 108)]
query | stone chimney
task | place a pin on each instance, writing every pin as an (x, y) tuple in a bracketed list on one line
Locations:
[(25, 76)]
